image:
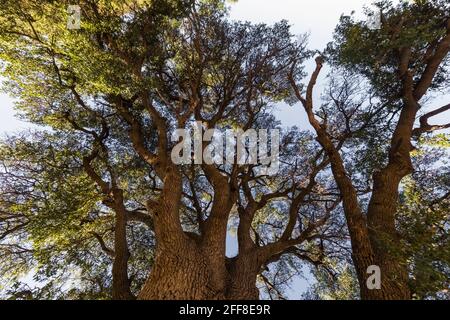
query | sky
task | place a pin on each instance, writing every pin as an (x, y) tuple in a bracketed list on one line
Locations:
[(316, 17)]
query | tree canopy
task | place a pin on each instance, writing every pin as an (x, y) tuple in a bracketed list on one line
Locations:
[(93, 207)]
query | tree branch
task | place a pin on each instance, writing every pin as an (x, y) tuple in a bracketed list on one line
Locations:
[(426, 127)]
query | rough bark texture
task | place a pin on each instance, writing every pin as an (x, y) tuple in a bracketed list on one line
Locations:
[(181, 273), (121, 282), (385, 240), (187, 274), (243, 272), (369, 234), (191, 266)]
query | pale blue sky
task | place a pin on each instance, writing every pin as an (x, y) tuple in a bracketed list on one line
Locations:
[(315, 17)]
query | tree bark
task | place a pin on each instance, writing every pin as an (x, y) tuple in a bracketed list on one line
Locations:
[(180, 274), (183, 269), (369, 233), (121, 282), (194, 267), (385, 240), (243, 272), (187, 274)]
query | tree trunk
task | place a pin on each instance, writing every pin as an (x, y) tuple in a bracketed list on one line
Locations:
[(180, 274), (243, 271), (187, 274), (371, 235), (121, 282), (384, 238), (185, 267)]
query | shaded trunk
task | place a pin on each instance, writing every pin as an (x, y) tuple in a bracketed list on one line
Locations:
[(180, 274), (187, 266), (120, 281), (243, 271), (370, 234), (385, 240), (374, 238), (187, 274), (363, 255), (384, 237)]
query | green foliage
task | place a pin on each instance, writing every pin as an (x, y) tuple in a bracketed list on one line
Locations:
[(341, 284), (45, 191), (68, 81), (376, 52), (424, 221), (84, 88)]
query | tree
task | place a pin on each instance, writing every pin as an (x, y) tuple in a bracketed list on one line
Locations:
[(343, 285), (402, 61), (53, 220), (422, 218), (95, 191), (112, 93)]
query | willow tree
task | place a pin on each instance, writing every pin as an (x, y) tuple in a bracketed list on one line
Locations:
[(108, 97)]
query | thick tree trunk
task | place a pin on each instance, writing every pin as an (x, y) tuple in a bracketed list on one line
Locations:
[(383, 204), (188, 267), (180, 270), (373, 237), (363, 255), (180, 274), (187, 274), (243, 271), (385, 240)]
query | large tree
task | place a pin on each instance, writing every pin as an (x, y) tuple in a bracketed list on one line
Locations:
[(403, 60), (112, 93), (92, 191)]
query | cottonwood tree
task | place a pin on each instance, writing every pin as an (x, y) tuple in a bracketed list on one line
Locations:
[(111, 94), (403, 62)]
